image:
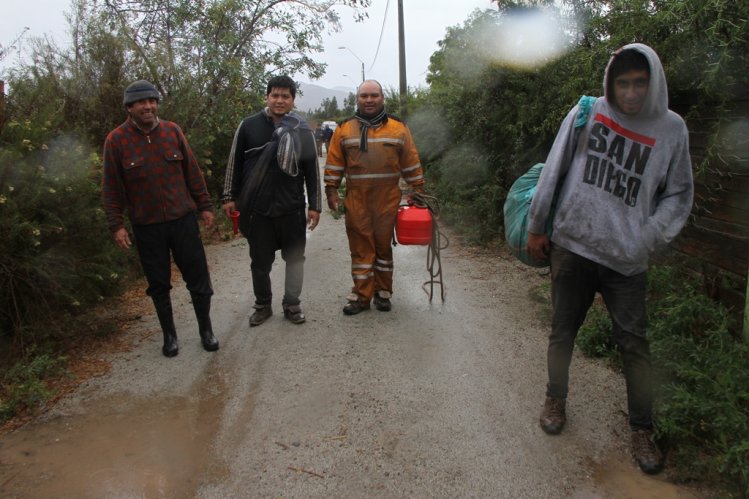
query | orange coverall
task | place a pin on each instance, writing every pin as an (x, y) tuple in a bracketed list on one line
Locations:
[(372, 196)]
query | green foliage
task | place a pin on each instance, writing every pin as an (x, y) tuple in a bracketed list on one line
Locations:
[(349, 105), (499, 120), (329, 110), (703, 409), (341, 211), (702, 382), (55, 254), (22, 387), (594, 337), (469, 200), (404, 108)]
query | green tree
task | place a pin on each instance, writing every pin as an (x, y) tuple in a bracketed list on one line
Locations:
[(349, 105), (328, 108), (393, 102)]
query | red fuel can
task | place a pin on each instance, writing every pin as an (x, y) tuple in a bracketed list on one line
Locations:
[(413, 226)]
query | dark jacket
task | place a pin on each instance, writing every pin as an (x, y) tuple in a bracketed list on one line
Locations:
[(280, 193)]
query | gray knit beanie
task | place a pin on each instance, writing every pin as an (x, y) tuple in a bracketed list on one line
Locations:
[(139, 90)]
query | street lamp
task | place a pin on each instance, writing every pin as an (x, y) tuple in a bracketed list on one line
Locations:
[(356, 86), (357, 58)]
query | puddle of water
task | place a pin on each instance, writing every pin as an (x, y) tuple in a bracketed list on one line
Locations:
[(155, 447), (618, 478)]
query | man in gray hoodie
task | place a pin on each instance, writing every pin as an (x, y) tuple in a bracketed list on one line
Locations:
[(625, 190)]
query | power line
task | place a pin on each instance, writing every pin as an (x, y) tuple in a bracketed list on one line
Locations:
[(379, 42)]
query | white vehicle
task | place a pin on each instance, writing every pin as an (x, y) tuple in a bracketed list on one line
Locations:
[(330, 124)]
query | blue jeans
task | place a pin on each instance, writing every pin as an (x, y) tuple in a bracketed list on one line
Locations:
[(575, 281)]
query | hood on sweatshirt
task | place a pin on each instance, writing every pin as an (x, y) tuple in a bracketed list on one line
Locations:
[(656, 101)]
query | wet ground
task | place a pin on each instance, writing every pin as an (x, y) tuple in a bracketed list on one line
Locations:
[(429, 400)]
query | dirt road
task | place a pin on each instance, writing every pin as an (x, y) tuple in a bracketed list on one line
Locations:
[(429, 400)]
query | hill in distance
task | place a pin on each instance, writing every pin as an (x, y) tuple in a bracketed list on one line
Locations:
[(310, 96)]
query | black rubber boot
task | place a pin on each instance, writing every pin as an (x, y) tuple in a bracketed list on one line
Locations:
[(202, 306), (163, 306)]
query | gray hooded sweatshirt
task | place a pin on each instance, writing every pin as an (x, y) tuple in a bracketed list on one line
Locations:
[(626, 180)]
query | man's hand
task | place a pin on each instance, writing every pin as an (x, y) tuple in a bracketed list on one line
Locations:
[(333, 200), (208, 218), (313, 218), (228, 207), (122, 239), (539, 246)]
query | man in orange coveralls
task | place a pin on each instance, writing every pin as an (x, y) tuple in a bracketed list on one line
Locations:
[(372, 150)]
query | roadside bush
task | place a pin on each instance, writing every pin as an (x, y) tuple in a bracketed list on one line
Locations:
[(22, 386), (702, 380), (469, 202), (594, 338), (703, 394), (55, 254)]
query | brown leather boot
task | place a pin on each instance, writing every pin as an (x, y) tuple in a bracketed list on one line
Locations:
[(354, 307), (553, 415), (646, 453), (381, 303), (294, 313), (262, 313)]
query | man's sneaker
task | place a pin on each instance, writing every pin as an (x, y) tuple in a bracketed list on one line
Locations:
[(354, 307), (262, 313), (646, 453), (382, 304), (294, 313), (553, 415)]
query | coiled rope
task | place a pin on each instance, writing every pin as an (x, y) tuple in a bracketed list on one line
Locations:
[(434, 262)]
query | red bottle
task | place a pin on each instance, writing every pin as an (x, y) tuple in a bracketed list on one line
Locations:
[(235, 221)]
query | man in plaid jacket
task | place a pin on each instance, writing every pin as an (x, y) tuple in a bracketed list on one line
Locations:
[(151, 173)]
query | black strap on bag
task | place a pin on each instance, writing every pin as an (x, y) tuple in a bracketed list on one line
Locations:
[(258, 172)]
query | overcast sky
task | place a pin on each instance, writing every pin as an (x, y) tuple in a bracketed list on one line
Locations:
[(425, 23)]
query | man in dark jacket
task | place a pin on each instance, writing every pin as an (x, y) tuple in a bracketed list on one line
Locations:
[(327, 134), (150, 171), (274, 212)]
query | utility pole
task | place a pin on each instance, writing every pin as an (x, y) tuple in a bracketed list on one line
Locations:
[(402, 60), (746, 311)]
